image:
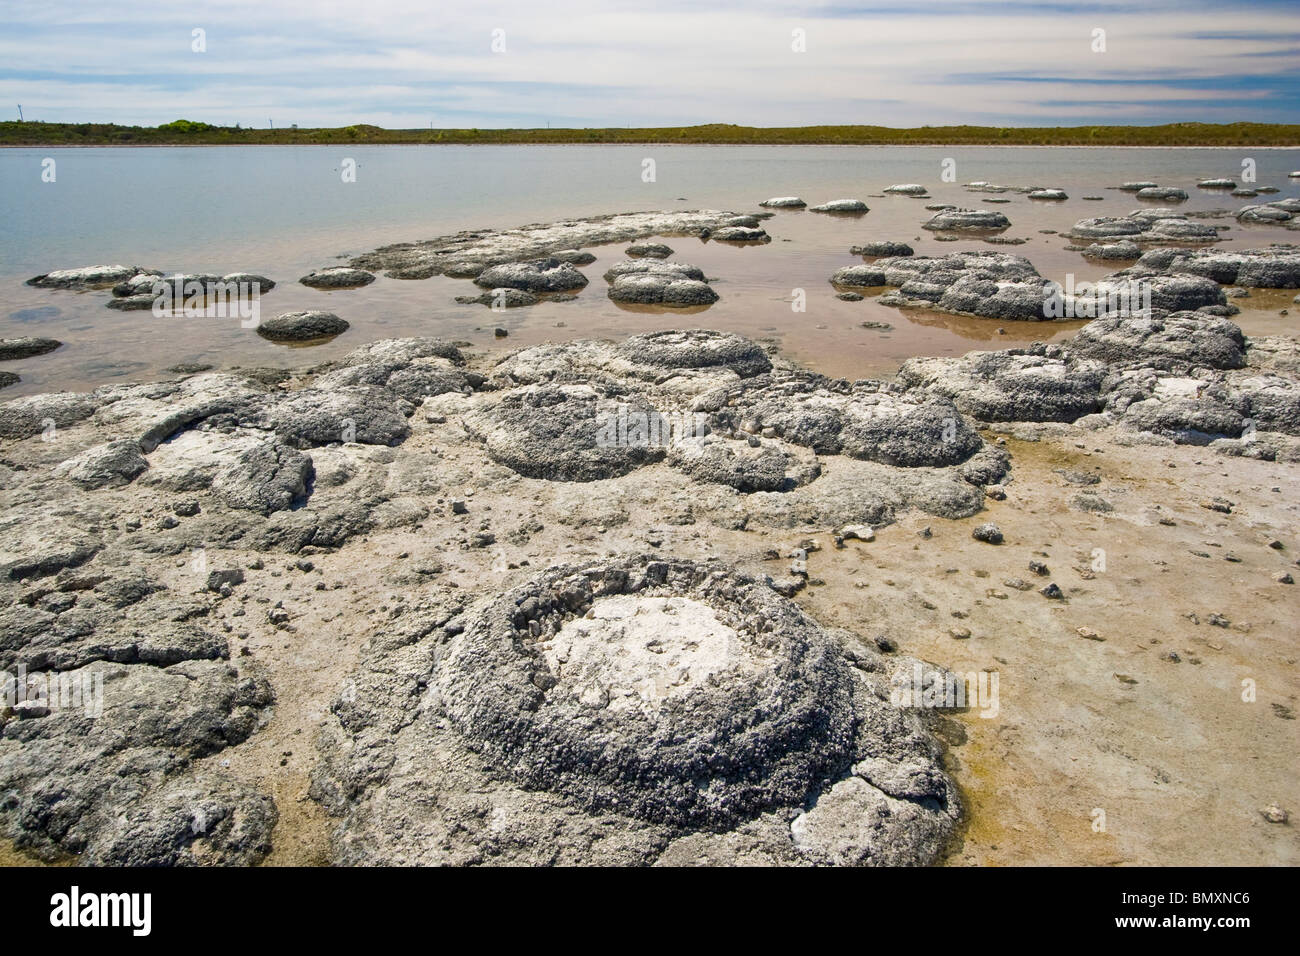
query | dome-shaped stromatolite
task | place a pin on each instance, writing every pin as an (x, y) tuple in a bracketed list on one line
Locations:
[(881, 248), (569, 432), (649, 250), (698, 348), (851, 206), (1162, 193), (26, 347), (967, 220), (676, 693), (337, 277), (657, 282), (302, 326), (536, 275)]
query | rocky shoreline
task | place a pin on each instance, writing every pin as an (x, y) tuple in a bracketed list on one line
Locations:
[(419, 605), (252, 471)]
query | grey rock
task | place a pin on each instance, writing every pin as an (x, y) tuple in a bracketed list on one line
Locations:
[(1267, 212), (337, 277), (269, 477), (757, 738), (784, 202), (1274, 267), (1014, 385), (656, 282), (26, 347), (110, 464), (736, 234), (668, 290), (86, 277), (1162, 193), (570, 432), (649, 250), (967, 220), (1180, 337), (503, 298), (861, 421), (1113, 250), (697, 349), (367, 414), (575, 257), (882, 248), (535, 275), (854, 206), (31, 415), (302, 326)]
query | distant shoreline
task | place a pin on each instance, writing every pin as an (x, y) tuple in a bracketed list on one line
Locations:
[(187, 133)]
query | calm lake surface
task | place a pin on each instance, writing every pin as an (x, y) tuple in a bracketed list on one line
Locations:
[(283, 211)]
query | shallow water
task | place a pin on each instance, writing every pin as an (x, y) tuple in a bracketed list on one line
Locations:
[(282, 211)]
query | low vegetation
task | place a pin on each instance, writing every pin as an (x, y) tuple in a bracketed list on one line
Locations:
[(189, 133)]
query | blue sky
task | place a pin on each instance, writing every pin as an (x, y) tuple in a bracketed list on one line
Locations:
[(404, 63)]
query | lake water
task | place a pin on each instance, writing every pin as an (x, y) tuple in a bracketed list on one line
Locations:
[(282, 211)]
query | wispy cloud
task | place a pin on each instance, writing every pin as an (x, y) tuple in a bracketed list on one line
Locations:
[(408, 63)]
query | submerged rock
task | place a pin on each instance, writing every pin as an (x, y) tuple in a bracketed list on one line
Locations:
[(967, 220), (650, 250), (784, 202), (302, 326), (1144, 226), (86, 277), (841, 205), (536, 275), (906, 189), (882, 248), (988, 284), (503, 298), (1111, 251), (1275, 267), (1268, 212), (467, 254), (338, 277), (656, 282), (26, 347), (1162, 193), (736, 234)]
